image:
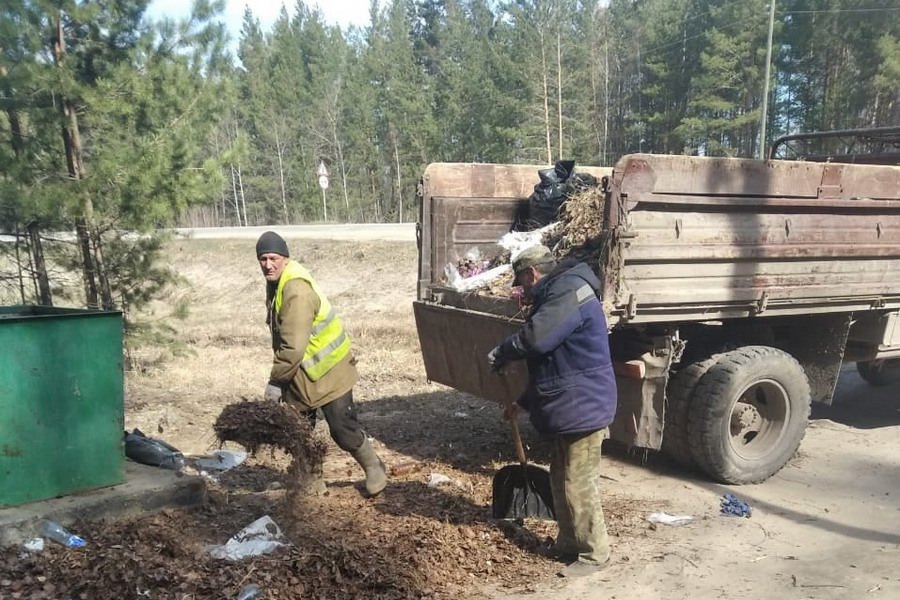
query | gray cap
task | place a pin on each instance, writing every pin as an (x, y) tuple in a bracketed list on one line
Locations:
[(531, 257)]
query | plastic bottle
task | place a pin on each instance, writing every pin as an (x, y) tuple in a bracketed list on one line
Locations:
[(56, 532), (250, 592)]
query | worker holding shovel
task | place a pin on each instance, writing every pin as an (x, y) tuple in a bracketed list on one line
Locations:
[(571, 395)]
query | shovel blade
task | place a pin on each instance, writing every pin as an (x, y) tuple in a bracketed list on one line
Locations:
[(521, 491)]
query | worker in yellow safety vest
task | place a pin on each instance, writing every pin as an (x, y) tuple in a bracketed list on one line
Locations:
[(313, 365)]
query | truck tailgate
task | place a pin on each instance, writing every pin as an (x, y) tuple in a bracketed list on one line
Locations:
[(455, 343)]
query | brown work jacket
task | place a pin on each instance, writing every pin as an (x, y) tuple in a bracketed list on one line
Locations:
[(291, 329)]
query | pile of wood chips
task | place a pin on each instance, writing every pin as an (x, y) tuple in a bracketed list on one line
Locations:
[(254, 424)]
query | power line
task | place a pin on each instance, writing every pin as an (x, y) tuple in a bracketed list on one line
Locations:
[(699, 35), (842, 10)]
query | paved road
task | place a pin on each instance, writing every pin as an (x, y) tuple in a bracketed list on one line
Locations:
[(390, 232), (394, 232)]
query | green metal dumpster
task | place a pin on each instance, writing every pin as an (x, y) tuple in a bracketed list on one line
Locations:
[(61, 402)]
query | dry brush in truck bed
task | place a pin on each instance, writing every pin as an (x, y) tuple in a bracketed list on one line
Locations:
[(581, 224)]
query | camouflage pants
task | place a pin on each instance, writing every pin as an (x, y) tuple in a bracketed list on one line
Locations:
[(575, 480)]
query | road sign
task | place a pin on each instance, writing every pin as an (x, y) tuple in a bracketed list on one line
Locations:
[(322, 170), (323, 182)]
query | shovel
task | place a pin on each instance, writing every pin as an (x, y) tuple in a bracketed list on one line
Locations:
[(522, 490)]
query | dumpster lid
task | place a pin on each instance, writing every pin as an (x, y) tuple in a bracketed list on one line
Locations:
[(30, 311)]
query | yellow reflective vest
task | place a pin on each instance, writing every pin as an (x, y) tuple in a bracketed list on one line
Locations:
[(328, 343)]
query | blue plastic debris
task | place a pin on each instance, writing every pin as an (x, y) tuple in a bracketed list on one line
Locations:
[(733, 506)]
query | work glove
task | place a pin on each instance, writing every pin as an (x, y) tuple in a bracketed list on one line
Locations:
[(273, 393), (496, 359)]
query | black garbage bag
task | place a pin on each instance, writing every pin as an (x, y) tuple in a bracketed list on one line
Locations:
[(579, 182), (550, 194), (151, 451)]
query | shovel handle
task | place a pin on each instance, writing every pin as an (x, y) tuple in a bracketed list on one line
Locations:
[(520, 450)]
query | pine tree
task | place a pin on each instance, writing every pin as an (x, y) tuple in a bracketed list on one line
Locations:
[(130, 106), (724, 110)]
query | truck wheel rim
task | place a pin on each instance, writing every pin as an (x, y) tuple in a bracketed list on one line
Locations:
[(759, 418)]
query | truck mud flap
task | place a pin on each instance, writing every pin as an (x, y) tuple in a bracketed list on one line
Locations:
[(455, 343)]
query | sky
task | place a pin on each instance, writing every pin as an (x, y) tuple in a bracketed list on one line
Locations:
[(339, 12)]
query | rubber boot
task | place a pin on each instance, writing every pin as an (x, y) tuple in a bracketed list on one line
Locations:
[(376, 478)]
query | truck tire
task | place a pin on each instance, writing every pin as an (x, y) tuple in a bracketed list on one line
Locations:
[(749, 414), (879, 372), (679, 394)]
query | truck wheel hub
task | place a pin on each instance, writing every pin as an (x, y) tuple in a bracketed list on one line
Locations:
[(744, 419)]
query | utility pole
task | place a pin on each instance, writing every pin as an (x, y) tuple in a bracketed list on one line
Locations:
[(765, 106)]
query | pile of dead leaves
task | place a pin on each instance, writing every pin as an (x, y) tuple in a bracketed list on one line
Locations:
[(161, 557), (413, 541), (254, 424)]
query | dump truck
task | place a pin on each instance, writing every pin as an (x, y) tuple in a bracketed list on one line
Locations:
[(734, 291)]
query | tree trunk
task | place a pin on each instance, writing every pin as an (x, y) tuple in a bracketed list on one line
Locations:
[(88, 269), (606, 98), (340, 151), (15, 123), (243, 199), (374, 195), (21, 271), (36, 292), (220, 223), (546, 98), (280, 151), (15, 130), (75, 164), (234, 193), (559, 105), (103, 275), (399, 178), (39, 266)]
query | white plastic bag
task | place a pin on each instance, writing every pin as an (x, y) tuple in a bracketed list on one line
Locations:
[(221, 460), (667, 519), (437, 479), (476, 282), (517, 241), (259, 537), (451, 273)]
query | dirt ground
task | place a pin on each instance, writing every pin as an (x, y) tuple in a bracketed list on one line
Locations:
[(827, 526)]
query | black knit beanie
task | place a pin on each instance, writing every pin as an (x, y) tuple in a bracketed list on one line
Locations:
[(271, 242)]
